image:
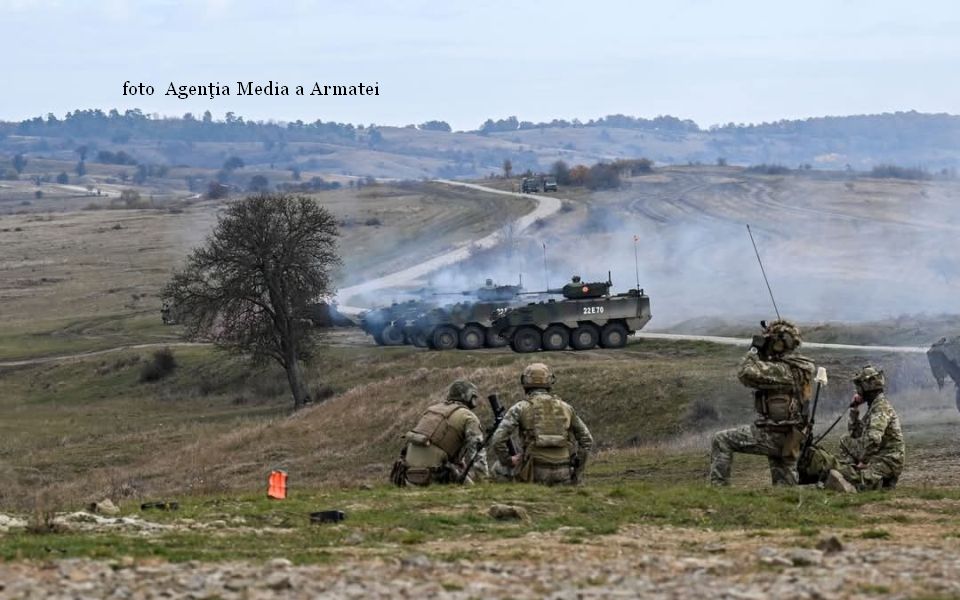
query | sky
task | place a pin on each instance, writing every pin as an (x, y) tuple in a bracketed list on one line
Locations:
[(708, 60)]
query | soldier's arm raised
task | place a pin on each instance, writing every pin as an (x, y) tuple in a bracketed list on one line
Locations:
[(761, 374)]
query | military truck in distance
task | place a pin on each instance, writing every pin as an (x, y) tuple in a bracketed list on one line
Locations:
[(944, 358), (386, 324), (530, 185), (465, 325), (549, 183), (587, 316)]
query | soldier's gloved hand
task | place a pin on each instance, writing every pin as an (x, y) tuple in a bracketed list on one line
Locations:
[(856, 401)]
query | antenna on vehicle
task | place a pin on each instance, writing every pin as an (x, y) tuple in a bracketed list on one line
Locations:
[(762, 271), (546, 277), (636, 261)]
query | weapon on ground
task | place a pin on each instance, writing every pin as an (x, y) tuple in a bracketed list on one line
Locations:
[(829, 429), (763, 272), (498, 413), (821, 380)]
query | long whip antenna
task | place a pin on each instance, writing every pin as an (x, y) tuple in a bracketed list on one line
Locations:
[(546, 276), (763, 271), (636, 261)]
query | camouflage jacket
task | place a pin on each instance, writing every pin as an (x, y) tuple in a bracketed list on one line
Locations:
[(467, 425), (783, 386), (878, 434), (511, 423)]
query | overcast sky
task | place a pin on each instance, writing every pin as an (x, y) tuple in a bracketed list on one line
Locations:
[(708, 60)]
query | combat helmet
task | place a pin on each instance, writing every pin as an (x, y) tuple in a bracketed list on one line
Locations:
[(537, 375), (464, 392), (869, 379), (783, 336)]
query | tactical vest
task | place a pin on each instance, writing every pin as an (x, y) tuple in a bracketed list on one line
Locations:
[(544, 426), (784, 409), (434, 429)]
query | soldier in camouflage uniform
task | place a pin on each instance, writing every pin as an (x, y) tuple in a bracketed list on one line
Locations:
[(443, 442), (782, 383), (545, 425), (872, 453)]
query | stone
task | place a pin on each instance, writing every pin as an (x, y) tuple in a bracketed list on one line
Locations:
[(418, 561), (830, 545), (804, 557), (507, 512), (280, 563), (104, 507)]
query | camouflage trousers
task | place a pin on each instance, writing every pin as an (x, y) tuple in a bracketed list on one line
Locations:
[(875, 475), (540, 473), (749, 439)]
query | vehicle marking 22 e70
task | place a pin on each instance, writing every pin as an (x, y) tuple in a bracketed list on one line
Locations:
[(593, 310)]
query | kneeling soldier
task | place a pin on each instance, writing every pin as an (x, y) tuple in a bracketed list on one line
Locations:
[(546, 425), (444, 440)]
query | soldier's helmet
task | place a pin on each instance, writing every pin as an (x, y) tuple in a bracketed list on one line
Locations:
[(784, 336), (869, 379), (464, 392), (537, 375)]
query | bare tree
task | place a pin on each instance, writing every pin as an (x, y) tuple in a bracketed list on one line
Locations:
[(249, 286), (507, 168)]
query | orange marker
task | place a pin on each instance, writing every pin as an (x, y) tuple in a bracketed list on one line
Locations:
[(277, 485)]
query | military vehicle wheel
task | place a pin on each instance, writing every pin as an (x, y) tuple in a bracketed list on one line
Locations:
[(392, 336), (584, 337), (378, 338), (445, 338), (613, 335), (495, 340), (526, 339), (556, 337), (471, 337), (418, 339)]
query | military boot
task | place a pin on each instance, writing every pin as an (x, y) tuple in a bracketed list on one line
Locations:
[(837, 483)]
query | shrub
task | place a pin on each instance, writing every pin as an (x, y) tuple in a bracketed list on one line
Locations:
[(373, 222), (766, 169), (162, 364), (895, 172)]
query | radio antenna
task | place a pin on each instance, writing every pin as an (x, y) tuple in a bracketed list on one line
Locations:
[(546, 277), (763, 271), (636, 261)]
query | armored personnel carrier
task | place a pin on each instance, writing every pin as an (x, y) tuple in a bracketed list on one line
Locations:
[(587, 315), (944, 358), (386, 324), (465, 325)]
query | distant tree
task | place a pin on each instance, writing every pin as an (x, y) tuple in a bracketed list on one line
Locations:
[(217, 191), (374, 137), (207, 117), (81, 169), (63, 178), (603, 176), (258, 183), (233, 163), (579, 175), (721, 161), (38, 194), (436, 126), (18, 161), (507, 168), (140, 177), (250, 286), (561, 171), (130, 198), (295, 173), (82, 151)]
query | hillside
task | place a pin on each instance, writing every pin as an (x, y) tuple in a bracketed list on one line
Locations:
[(334, 149)]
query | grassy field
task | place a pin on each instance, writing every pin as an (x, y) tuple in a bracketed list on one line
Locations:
[(87, 280)]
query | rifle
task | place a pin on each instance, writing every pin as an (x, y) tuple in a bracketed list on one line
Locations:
[(821, 380), (498, 413)]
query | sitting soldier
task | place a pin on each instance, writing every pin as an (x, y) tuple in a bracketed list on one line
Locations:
[(872, 453)]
